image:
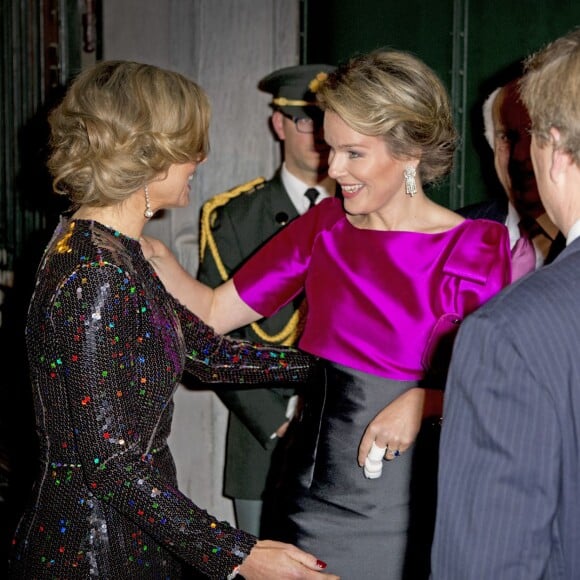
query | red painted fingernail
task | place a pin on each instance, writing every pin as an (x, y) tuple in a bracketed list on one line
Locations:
[(321, 564)]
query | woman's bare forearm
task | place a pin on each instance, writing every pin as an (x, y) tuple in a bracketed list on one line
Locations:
[(221, 308)]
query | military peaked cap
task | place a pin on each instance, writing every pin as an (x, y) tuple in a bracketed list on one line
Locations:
[(293, 88)]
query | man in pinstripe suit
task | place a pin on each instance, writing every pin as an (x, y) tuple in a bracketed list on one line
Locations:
[(509, 475)]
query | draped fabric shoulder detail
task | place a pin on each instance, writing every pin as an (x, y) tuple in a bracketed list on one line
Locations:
[(474, 253)]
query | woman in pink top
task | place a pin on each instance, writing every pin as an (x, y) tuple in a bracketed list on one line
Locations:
[(389, 275)]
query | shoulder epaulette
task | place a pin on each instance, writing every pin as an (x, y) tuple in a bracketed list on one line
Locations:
[(207, 211), (293, 328)]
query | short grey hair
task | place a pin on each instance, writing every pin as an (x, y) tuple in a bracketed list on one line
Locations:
[(488, 126)]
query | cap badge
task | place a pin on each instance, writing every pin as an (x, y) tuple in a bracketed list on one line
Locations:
[(314, 84)]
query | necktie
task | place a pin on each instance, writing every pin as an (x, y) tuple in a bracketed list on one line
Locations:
[(523, 256), (312, 194)]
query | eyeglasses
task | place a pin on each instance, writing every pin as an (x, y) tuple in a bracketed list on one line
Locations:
[(304, 124)]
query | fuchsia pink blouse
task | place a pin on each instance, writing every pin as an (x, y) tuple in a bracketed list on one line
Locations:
[(378, 300)]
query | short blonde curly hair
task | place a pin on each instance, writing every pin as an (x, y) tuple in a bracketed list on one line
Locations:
[(120, 125), (393, 94)]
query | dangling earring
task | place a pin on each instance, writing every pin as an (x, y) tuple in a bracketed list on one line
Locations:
[(148, 211), (410, 183)]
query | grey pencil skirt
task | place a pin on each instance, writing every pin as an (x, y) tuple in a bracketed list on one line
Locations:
[(320, 500)]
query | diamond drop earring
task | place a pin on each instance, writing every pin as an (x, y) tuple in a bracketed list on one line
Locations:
[(410, 183)]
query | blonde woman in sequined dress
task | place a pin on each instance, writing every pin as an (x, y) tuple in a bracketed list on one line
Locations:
[(107, 347)]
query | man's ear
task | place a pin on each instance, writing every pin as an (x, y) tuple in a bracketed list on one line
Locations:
[(278, 125)]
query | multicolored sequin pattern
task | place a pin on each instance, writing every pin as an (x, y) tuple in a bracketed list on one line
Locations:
[(107, 347)]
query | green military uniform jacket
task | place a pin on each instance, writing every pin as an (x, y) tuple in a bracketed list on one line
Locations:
[(238, 228)]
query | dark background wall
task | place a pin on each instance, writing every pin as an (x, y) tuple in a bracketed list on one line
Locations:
[(469, 43)]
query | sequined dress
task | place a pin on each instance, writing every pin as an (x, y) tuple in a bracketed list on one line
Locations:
[(107, 347), (383, 308)]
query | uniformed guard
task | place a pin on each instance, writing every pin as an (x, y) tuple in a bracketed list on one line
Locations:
[(233, 225)]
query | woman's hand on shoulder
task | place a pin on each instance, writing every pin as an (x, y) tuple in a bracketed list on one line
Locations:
[(177, 281), (269, 559), (153, 248), (165, 263)]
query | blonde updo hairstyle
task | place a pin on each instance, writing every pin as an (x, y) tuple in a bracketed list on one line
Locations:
[(121, 125), (392, 94)]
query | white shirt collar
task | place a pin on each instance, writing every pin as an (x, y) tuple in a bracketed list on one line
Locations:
[(511, 221), (296, 188), (573, 233)]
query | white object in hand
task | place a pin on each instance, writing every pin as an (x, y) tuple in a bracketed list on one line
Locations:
[(373, 466)]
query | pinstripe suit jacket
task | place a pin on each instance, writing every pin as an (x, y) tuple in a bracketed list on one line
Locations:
[(509, 479)]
